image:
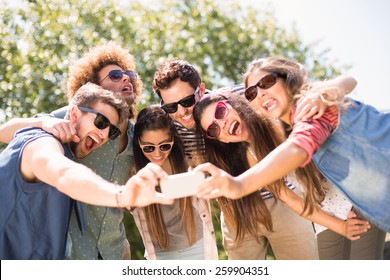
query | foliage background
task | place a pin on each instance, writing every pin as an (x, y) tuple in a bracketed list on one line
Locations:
[(41, 38)]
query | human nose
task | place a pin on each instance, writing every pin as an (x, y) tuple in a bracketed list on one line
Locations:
[(260, 92), (125, 78), (181, 110), (104, 133)]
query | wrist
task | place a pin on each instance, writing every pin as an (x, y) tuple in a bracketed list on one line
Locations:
[(119, 198)]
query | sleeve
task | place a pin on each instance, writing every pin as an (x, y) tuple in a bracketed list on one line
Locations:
[(311, 134)]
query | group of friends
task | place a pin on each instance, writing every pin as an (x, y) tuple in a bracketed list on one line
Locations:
[(293, 165)]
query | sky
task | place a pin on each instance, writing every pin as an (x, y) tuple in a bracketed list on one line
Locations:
[(357, 33)]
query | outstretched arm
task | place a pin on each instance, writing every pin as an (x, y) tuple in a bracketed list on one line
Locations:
[(60, 128), (81, 183), (276, 165)]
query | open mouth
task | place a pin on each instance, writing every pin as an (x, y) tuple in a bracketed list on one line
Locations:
[(233, 128), (269, 105), (91, 142)]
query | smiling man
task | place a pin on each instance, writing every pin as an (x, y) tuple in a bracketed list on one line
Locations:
[(39, 180), (180, 87)]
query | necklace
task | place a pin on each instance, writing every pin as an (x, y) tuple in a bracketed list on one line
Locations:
[(252, 153)]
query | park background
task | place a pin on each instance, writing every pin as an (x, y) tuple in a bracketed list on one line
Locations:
[(40, 38)]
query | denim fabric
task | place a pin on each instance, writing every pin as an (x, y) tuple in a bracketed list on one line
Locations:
[(34, 217), (356, 159)]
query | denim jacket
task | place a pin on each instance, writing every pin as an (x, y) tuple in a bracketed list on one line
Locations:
[(356, 159)]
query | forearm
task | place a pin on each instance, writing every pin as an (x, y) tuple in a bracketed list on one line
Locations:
[(346, 83), (8, 129), (276, 165), (318, 216), (77, 181), (81, 183)]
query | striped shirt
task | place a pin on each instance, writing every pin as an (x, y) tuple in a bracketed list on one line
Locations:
[(190, 139)]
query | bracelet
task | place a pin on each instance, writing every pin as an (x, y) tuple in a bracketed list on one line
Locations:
[(117, 195)]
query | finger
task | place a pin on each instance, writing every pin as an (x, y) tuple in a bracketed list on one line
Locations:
[(301, 111), (160, 198), (319, 113)]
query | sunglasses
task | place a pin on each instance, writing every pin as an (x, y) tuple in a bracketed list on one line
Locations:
[(221, 111), (101, 122), (166, 147), (116, 75), (265, 82), (186, 102)]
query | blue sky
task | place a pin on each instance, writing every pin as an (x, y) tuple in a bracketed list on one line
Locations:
[(356, 31)]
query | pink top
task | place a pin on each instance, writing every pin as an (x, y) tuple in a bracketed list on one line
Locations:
[(310, 134)]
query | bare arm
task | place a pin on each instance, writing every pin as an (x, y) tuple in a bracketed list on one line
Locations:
[(60, 128), (8, 129), (276, 165), (350, 228), (81, 183)]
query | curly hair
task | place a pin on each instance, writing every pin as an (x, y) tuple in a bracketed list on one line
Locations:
[(173, 69), (87, 68)]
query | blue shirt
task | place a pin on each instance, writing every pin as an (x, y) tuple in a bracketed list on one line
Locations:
[(34, 217), (356, 159)]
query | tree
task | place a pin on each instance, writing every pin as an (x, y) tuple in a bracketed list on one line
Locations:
[(40, 40)]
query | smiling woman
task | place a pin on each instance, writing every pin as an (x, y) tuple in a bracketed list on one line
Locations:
[(183, 230)]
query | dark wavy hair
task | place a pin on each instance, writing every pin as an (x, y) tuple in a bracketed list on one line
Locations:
[(173, 69)]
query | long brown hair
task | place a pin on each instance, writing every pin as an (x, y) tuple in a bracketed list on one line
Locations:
[(294, 76), (248, 213), (154, 118)]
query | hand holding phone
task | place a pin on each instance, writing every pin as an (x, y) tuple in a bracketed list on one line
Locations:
[(182, 184)]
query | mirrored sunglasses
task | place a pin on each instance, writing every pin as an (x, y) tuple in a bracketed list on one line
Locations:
[(117, 75)]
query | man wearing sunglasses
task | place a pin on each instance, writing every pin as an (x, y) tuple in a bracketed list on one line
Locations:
[(113, 68), (180, 87), (39, 180)]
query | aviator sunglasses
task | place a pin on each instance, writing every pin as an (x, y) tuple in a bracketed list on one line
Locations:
[(267, 81), (150, 148), (186, 102), (221, 111), (116, 75), (101, 122)]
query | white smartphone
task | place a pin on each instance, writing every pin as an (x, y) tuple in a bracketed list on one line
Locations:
[(182, 184)]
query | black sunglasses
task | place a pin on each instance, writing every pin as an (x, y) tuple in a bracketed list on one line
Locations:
[(101, 122), (150, 148), (116, 75), (265, 82), (187, 101)]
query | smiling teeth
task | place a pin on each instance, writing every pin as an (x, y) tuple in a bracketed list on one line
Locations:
[(94, 139), (265, 104), (232, 127)]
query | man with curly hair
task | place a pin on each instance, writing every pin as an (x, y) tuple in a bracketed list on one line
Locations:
[(103, 233)]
